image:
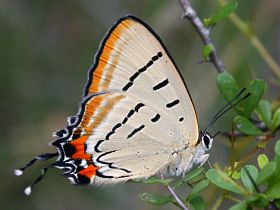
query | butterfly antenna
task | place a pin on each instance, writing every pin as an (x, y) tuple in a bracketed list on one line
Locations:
[(216, 134), (230, 102), (46, 156), (226, 108), (28, 190)]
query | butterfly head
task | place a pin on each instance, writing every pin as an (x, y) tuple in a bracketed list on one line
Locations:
[(206, 140)]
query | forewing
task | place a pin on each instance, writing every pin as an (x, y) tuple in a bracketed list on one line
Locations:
[(132, 59)]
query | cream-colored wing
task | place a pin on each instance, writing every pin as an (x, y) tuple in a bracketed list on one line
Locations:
[(125, 137), (132, 59)]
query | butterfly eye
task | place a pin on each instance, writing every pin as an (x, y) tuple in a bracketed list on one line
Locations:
[(207, 141)]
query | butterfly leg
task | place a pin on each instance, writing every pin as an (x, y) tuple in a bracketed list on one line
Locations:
[(203, 159), (209, 164)]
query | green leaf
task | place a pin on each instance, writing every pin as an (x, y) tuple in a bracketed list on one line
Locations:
[(155, 199), (245, 126), (275, 120), (274, 191), (277, 156), (235, 175), (222, 13), (264, 112), (192, 174), (198, 187), (262, 160), (229, 88), (197, 202), (206, 51), (154, 180), (221, 180), (258, 200), (227, 85), (256, 88), (206, 22), (253, 171), (277, 148), (266, 172), (240, 206), (277, 203)]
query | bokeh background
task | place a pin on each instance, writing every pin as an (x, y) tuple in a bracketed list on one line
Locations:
[(46, 48)]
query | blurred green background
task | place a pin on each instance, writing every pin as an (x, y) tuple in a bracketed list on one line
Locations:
[(47, 48)]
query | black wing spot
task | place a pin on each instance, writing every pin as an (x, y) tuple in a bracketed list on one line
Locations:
[(130, 113), (61, 133), (141, 70), (135, 131), (134, 76), (97, 145), (173, 103), (118, 125), (181, 119), (128, 85), (138, 106), (125, 120), (150, 63), (69, 149), (82, 179), (161, 84), (155, 118)]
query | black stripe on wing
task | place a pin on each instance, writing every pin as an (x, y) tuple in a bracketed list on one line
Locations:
[(136, 130), (124, 121), (141, 70)]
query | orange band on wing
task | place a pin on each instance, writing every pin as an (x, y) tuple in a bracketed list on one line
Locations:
[(91, 107), (103, 112), (97, 111), (79, 145), (109, 46), (89, 172)]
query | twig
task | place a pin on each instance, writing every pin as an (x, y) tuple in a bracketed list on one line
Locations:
[(252, 152), (178, 200), (203, 33), (218, 202), (173, 193)]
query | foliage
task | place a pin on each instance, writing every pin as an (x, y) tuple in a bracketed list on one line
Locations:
[(248, 186)]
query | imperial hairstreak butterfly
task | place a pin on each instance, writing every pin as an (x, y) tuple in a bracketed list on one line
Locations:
[(137, 118)]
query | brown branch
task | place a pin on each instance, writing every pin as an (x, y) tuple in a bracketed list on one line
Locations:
[(203, 33)]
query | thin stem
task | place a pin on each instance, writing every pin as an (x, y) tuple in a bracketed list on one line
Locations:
[(203, 33), (230, 197), (251, 36), (178, 200), (173, 193), (218, 202)]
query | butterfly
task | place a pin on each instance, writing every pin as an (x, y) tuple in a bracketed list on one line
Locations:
[(137, 118)]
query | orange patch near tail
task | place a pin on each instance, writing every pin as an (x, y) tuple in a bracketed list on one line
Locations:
[(79, 145), (89, 172)]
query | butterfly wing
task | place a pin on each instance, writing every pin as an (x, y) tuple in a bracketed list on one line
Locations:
[(133, 59), (126, 136), (136, 112)]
